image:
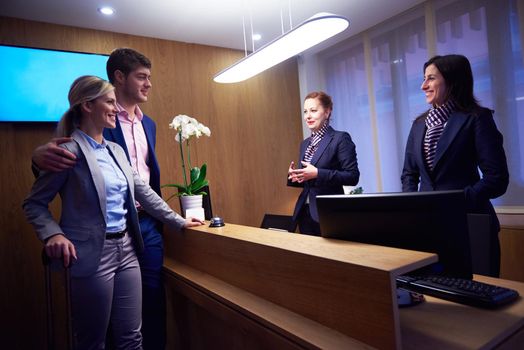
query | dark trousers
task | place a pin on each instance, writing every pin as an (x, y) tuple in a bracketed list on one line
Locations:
[(153, 293), (306, 224)]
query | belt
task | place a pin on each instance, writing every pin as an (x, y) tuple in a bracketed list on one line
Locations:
[(116, 235)]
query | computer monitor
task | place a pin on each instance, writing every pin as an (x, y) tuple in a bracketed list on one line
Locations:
[(434, 222)]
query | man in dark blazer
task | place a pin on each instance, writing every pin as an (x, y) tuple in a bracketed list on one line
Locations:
[(130, 72), (116, 135)]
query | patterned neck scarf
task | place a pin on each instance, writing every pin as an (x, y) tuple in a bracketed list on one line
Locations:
[(315, 139), (435, 122)]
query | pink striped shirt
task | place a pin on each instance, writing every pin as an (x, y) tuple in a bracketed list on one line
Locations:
[(136, 141)]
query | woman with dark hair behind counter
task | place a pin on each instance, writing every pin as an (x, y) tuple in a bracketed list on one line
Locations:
[(450, 142)]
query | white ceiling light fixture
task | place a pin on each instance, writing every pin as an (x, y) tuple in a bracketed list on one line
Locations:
[(108, 11), (307, 34)]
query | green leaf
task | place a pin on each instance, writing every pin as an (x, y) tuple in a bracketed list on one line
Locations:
[(173, 195), (182, 190), (198, 178), (357, 190), (203, 171), (195, 174), (180, 187), (198, 185)]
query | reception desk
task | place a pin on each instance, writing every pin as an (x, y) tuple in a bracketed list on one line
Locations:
[(243, 287)]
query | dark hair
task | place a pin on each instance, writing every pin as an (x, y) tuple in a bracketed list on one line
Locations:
[(125, 60), (325, 99), (457, 73)]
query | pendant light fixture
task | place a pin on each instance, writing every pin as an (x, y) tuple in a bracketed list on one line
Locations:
[(307, 34)]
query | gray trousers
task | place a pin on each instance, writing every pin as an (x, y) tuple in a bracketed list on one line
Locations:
[(111, 296)]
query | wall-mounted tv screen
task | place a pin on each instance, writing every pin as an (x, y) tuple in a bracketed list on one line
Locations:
[(36, 81)]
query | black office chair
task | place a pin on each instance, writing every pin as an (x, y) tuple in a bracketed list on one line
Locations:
[(206, 203), (279, 222), (480, 243)]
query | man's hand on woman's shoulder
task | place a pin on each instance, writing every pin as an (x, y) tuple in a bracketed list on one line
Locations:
[(52, 157)]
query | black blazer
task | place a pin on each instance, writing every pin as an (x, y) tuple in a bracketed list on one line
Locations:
[(470, 141), (336, 161)]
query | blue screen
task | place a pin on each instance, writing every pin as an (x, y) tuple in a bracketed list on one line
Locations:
[(36, 81)]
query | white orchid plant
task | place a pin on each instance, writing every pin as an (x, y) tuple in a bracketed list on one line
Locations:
[(187, 128)]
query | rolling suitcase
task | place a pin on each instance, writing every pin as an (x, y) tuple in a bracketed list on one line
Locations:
[(51, 306)]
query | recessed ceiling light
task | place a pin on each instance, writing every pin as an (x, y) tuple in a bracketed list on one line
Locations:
[(108, 11), (257, 37)]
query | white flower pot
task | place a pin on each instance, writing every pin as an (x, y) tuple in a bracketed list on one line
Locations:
[(192, 206)]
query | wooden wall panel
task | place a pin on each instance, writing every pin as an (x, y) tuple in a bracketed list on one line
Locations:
[(511, 238), (512, 253), (255, 129)]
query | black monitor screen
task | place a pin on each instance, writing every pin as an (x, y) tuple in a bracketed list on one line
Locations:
[(433, 222)]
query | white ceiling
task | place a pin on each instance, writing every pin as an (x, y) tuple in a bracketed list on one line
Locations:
[(208, 22)]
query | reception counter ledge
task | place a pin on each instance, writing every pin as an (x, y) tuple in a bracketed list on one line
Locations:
[(240, 287)]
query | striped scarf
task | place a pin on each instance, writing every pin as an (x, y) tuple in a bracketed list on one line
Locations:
[(435, 123), (315, 139)]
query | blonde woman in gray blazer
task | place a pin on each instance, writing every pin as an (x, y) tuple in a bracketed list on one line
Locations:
[(98, 234)]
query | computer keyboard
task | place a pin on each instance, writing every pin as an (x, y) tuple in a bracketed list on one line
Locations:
[(459, 290)]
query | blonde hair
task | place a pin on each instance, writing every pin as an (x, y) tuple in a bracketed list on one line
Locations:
[(84, 89)]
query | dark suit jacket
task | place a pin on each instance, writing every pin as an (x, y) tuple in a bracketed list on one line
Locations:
[(116, 135), (336, 161), (469, 142)]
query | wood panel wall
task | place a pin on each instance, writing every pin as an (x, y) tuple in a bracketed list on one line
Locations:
[(512, 246), (256, 130)]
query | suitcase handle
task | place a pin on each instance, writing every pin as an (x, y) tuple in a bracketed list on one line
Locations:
[(46, 261)]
